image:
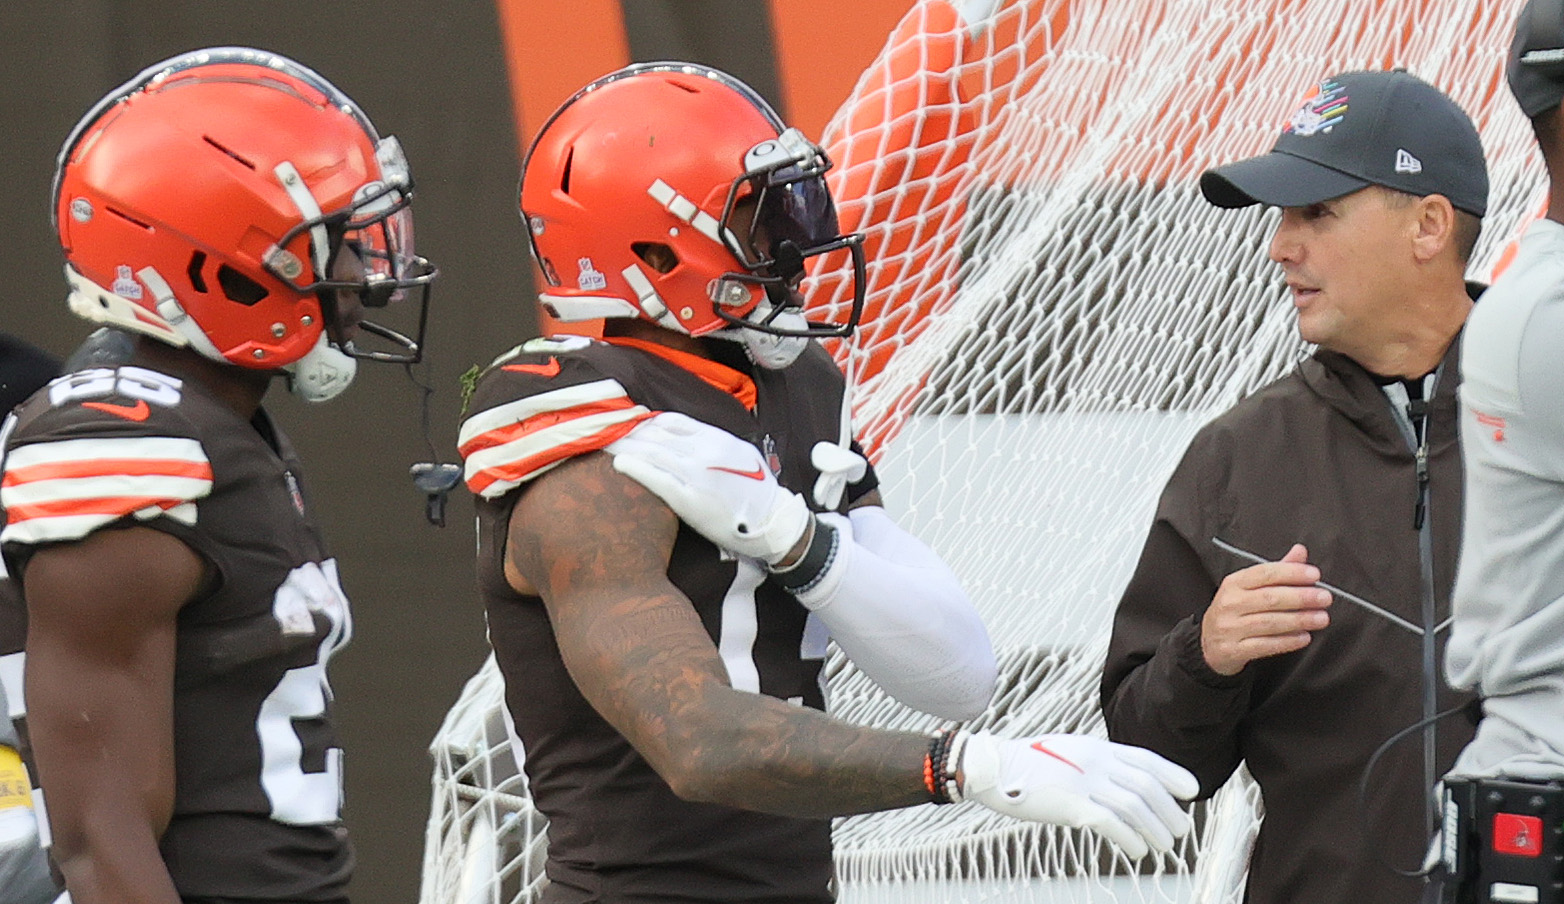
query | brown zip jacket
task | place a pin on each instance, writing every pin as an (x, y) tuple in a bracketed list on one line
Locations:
[(1319, 458)]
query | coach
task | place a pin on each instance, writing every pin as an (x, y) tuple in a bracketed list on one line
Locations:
[(1347, 471)]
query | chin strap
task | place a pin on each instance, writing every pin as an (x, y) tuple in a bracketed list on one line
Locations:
[(322, 373), (766, 349)]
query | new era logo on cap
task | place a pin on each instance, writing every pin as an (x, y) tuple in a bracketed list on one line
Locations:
[(1406, 163)]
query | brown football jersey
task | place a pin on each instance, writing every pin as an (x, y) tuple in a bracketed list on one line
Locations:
[(617, 833), (257, 804)]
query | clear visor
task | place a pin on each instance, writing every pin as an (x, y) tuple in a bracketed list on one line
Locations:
[(377, 227), (378, 224)]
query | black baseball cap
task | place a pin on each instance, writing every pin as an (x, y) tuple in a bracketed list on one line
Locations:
[(1359, 129), (1536, 67)]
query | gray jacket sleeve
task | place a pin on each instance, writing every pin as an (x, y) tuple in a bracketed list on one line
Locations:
[(1507, 634)]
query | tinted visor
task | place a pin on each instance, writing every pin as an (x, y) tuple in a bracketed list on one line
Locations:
[(800, 212), (791, 218), (794, 214)]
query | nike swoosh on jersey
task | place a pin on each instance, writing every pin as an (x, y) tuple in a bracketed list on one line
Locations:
[(1038, 746), (66, 489), (757, 474), (505, 446), (545, 370), (136, 412)]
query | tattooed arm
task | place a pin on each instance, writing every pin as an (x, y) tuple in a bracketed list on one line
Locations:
[(595, 545)]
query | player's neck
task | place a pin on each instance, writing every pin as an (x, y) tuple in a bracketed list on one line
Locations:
[(649, 332), (238, 388)]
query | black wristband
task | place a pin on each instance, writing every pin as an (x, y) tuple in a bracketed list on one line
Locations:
[(804, 574)]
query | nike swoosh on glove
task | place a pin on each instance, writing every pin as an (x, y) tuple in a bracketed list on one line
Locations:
[(1129, 795), (716, 483)]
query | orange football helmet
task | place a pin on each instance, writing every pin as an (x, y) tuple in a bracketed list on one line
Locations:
[(203, 202), (673, 192)]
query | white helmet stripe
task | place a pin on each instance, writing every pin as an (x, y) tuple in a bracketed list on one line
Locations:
[(662, 193), (651, 303), (685, 209), (707, 225), (174, 313), (309, 208)]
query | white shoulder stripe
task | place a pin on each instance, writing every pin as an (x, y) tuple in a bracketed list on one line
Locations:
[(60, 528), (50, 530), (78, 450), (65, 489), (60, 489), (554, 400), (500, 487), (534, 447)]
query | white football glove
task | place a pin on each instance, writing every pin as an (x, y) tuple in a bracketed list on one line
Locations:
[(716, 483), (1124, 793), (838, 465)]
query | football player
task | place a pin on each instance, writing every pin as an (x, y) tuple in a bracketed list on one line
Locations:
[(238, 214), (672, 524)]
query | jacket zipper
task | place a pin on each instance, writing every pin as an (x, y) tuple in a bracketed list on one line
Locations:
[(1412, 418)]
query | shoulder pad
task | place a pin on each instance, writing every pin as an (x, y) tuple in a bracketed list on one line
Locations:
[(538, 410), (96, 446)]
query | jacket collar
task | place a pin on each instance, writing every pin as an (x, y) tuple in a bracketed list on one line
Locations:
[(1346, 386)]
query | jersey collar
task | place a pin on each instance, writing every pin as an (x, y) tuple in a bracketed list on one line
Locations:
[(718, 376)]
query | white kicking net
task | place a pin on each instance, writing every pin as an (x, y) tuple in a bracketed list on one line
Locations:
[(1053, 312)]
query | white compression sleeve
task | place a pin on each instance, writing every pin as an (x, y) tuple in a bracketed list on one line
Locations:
[(901, 616)]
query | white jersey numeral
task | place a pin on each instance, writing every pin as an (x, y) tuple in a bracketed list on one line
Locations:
[(736, 644), (298, 797), (134, 382)]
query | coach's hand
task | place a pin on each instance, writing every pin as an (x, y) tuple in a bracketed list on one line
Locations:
[(1263, 610), (1126, 794), (716, 483)]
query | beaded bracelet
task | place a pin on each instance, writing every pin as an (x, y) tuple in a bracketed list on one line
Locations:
[(939, 775)]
